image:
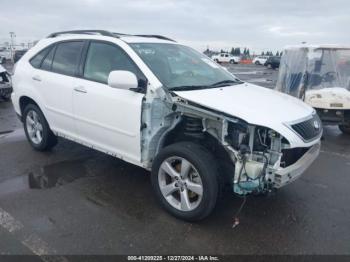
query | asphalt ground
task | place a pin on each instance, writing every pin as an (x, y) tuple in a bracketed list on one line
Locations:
[(74, 200)]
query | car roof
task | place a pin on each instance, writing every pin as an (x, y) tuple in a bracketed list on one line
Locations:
[(312, 47)]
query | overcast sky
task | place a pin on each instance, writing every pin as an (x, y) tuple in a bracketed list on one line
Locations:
[(257, 24)]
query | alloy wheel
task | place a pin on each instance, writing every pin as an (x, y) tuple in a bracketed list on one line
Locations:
[(34, 127), (180, 183)]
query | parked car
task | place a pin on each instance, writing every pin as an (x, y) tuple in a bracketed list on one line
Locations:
[(190, 122), (4, 56), (18, 54), (273, 62), (226, 58), (2, 59), (260, 60), (5, 84), (320, 76)]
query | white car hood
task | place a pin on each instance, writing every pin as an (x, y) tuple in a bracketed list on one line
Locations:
[(255, 105)]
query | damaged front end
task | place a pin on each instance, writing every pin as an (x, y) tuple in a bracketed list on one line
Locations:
[(254, 159), (263, 159)]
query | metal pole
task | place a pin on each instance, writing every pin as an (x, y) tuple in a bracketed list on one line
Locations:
[(12, 36)]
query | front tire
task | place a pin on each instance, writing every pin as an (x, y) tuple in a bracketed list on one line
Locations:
[(37, 129), (185, 180), (345, 129), (257, 63)]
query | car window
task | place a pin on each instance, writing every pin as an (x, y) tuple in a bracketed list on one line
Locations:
[(226, 55), (103, 58), (67, 57), (180, 66), (47, 62), (38, 58)]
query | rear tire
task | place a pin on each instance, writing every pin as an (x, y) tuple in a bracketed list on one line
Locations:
[(257, 63), (232, 61), (345, 129), (37, 130), (198, 167)]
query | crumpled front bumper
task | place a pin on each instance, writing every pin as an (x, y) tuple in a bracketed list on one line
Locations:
[(284, 176)]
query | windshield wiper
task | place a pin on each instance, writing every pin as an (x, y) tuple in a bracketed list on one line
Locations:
[(197, 87), (186, 88), (226, 83)]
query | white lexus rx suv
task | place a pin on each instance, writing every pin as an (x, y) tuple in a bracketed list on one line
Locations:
[(167, 108)]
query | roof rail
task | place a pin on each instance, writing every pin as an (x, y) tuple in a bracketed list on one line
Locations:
[(105, 33), (83, 32), (157, 36)]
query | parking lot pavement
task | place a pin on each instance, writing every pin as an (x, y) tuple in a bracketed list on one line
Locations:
[(74, 200), (255, 74)]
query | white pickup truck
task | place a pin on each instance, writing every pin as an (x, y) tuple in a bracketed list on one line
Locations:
[(226, 58), (167, 108)]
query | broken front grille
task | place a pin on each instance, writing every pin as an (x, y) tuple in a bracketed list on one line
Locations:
[(309, 129)]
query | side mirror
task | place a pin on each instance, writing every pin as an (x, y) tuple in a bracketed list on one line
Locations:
[(122, 80)]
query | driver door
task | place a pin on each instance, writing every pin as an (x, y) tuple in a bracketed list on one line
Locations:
[(108, 118)]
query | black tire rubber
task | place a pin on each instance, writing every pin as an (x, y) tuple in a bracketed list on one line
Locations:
[(257, 63), (232, 61), (345, 129), (205, 163), (49, 139)]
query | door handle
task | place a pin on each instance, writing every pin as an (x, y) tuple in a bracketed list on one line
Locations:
[(80, 89), (36, 78)]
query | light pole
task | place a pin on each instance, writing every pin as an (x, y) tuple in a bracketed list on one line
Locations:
[(12, 36)]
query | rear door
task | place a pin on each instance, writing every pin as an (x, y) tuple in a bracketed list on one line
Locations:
[(56, 78), (108, 118)]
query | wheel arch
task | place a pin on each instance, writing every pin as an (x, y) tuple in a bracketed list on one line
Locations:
[(24, 101), (206, 140)]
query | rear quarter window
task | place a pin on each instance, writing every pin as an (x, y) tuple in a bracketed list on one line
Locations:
[(38, 58), (67, 57)]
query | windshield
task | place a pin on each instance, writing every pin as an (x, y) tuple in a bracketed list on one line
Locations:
[(182, 68), (329, 68), (307, 69)]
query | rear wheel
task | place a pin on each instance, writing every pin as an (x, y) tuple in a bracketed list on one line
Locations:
[(345, 129), (185, 180), (37, 129), (257, 63), (232, 61)]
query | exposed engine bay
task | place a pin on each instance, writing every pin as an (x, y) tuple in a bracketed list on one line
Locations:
[(255, 153)]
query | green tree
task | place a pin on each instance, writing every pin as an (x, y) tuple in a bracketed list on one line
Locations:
[(238, 51)]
